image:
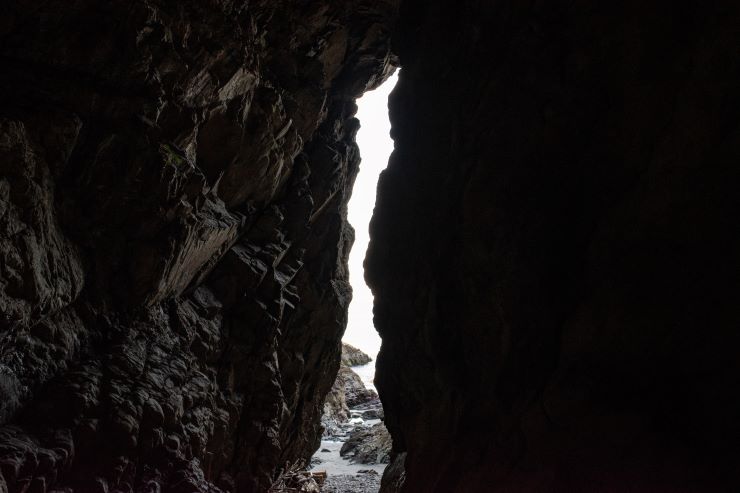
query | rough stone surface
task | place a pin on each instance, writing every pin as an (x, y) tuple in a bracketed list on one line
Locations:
[(368, 445), (173, 242), (355, 392), (554, 255), (347, 392), (351, 356), (358, 483), (336, 412), (394, 475)]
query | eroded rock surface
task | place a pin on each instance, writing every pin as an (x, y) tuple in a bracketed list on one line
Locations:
[(371, 445), (348, 391), (351, 356), (173, 242), (553, 254)]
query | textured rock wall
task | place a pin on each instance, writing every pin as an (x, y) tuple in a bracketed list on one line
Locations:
[(554, 252), (346, 391), (173, 242), (351, 356)]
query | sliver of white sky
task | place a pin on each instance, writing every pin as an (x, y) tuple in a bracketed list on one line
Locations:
[(375, 145)]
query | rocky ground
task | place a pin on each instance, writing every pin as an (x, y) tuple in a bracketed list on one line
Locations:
[(356, 445), (368, 482)]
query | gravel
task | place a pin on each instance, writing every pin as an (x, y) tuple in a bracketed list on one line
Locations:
[(345, 483)]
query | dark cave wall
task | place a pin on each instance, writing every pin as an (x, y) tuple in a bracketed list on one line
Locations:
[(173, 241), (553, 251)]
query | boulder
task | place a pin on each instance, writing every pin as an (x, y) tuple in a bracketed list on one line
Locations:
[(351, 356), (368, 445), (347, 392), (355, 392)]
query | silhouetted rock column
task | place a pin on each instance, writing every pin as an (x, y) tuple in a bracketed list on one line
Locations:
[(554, 251)]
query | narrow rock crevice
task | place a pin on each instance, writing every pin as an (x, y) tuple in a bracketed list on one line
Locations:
[(553, 256)]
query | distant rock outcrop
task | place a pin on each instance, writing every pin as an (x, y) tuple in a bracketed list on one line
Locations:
[(347, 392), (355, 392), (351, 356), (336, 412)]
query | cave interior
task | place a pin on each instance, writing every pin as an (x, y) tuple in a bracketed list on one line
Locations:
[(552, 253)]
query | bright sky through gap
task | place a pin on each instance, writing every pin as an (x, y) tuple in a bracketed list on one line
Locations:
[(376, 145)]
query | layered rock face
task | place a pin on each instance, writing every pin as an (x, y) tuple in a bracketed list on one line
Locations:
[(351, 356), (173, 242), (553, 253), (368, 446)]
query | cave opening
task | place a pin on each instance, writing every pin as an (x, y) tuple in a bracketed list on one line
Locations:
[(376, 145), (355, 443)]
